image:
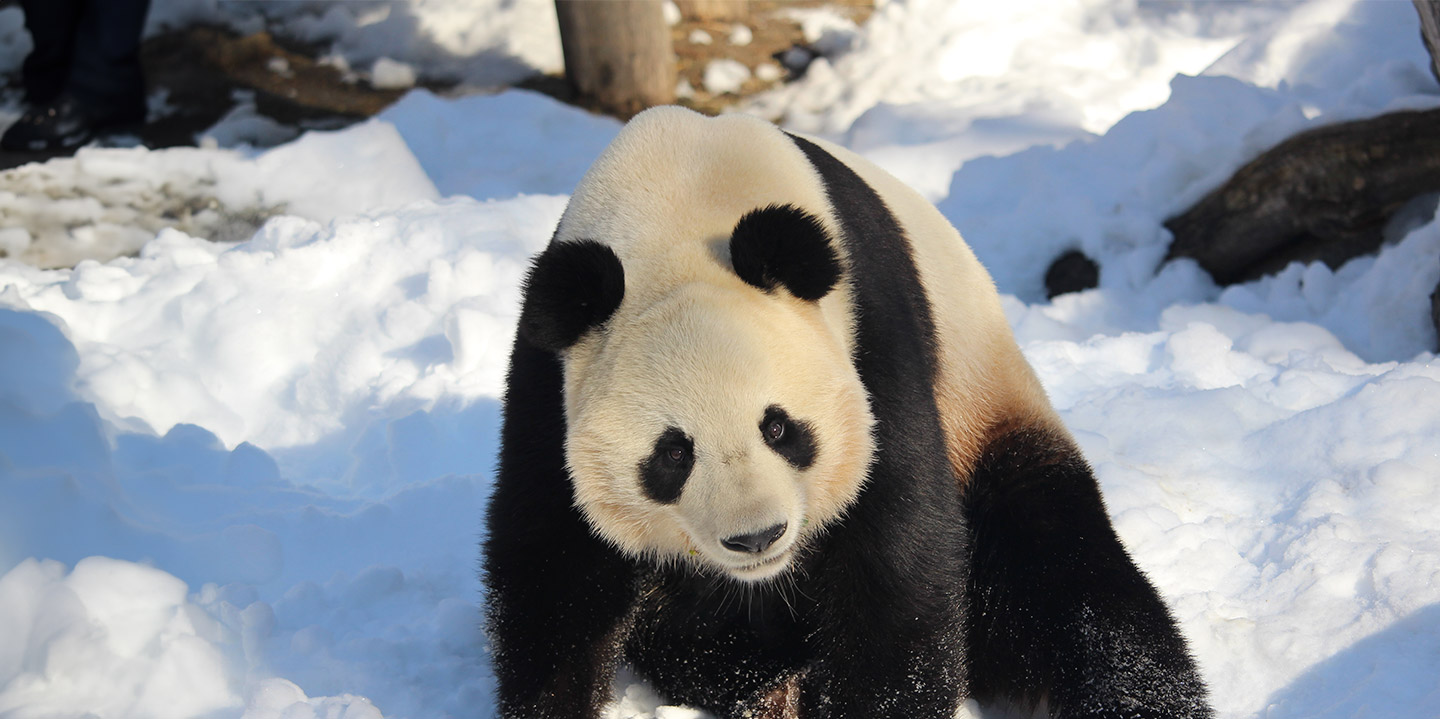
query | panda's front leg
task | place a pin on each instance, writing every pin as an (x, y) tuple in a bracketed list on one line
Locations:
[(558, 598), (890, 638), (923, 683), (718, 645), (557, 635)]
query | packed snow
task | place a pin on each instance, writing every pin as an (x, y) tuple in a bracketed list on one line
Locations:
[(247, 479)]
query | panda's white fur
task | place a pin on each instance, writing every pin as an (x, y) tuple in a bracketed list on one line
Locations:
[(694, 346), (710, 360)]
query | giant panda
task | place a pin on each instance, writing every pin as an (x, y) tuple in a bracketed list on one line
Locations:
[(769, 442)]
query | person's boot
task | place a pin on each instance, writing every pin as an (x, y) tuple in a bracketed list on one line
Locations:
[(61, 124)]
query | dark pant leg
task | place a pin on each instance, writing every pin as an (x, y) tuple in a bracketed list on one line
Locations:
[(52, 25), (105, 75)]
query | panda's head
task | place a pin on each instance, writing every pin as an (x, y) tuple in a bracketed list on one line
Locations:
[(713, 414)]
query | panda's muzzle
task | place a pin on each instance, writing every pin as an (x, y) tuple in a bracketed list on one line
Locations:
[(755, 542)]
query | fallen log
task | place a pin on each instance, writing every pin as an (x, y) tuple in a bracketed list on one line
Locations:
[(1324, 194)]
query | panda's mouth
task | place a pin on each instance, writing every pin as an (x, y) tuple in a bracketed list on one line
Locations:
[(763, 569), (753, 556)]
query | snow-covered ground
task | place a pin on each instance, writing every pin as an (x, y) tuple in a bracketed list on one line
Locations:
[(247, 480), (479, 43)]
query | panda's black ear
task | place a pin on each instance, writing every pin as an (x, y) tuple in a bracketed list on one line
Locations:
[(784, 245), (572, 287)]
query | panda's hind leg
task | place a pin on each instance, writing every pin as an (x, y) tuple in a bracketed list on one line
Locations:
[(1058, 612)]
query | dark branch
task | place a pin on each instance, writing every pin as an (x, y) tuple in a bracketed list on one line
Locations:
[(1324, 194)]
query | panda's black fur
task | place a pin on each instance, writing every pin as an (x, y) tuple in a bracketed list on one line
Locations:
[(1009, 585)]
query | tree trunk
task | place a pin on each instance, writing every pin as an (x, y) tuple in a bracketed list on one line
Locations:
[(618, 53), (706, 10), (1323, 195), (1430, 30)]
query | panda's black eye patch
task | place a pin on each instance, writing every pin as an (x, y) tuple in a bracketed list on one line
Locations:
[(663, 473), (790, 438)]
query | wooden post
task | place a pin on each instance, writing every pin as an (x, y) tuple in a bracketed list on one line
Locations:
[(618, 53), (706, 10), (1430, 30)]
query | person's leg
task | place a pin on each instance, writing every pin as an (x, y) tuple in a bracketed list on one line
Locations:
[(80, 82), (105, 75), (52, 25)]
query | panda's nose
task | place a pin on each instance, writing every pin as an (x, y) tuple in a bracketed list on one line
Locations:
[(756, 542)]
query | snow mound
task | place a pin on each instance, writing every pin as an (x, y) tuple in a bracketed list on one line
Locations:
[(110, 639), (304, 330), (119, 639), (1109, 197)]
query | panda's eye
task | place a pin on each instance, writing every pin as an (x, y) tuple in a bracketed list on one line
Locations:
[(793, 439), (664, 471)]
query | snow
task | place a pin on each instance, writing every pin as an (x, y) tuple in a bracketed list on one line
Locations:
[(485, 147), (740, 35), (119, 639), (247, 479), (963, 81), (14, 39), (387, 74), (769, 72), (477, 43), (825, 29), (244, 125), (724, 75)]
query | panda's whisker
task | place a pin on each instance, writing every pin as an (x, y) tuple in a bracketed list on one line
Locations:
[(787, 582), (710, 588), (725, 599)]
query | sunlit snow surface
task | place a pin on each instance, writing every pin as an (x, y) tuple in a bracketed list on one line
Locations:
[(247, 480)]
